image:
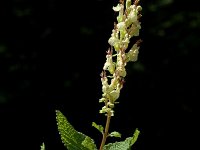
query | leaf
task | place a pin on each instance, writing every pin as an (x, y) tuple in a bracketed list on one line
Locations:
[(135, 136), (123, 145), (72, 139), (88, 143), (42, 146), (115, 134), (98, 127)]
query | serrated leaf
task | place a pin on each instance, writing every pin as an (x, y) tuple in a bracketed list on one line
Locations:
[(42, 147), (88, 143), (123, 145), (98, 127), (72, 139), (115, 134)]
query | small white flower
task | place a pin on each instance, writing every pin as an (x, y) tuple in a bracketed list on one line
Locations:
[(121, 25), (134, 29), (121, 71), (117, 8), (111, 105), (132, 16), (132, 55), (102, 100), (114, 95), (113, 40), (138, 8), (105, 86), (114, 82)]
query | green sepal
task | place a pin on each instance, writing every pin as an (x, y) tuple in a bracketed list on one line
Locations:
[(72, 139)]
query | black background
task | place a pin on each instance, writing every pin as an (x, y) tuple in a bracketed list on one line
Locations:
[(51, 56)]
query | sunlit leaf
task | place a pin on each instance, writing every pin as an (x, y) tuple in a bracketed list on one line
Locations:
[(72, 139), (123, 145), (98, 127)]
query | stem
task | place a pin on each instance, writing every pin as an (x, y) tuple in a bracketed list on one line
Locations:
[(105, 134)]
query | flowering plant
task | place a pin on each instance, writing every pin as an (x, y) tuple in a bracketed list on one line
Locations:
[(112, 78)]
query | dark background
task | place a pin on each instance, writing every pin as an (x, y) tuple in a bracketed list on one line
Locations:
[(51, 56)]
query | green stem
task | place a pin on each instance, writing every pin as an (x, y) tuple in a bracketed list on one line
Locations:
[(105, 134)]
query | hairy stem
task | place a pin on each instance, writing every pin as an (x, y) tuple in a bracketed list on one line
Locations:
[(105, 134)]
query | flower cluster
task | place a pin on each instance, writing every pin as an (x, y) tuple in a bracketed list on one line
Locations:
[(127, 26)]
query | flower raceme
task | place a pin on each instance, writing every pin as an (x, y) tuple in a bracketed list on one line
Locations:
[(112, 78), (117, 57)]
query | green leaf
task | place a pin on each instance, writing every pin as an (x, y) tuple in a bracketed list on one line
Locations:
[(42, 146), (135, 136), (123, 145), (98, 127), (115, 134), (72, 139)]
